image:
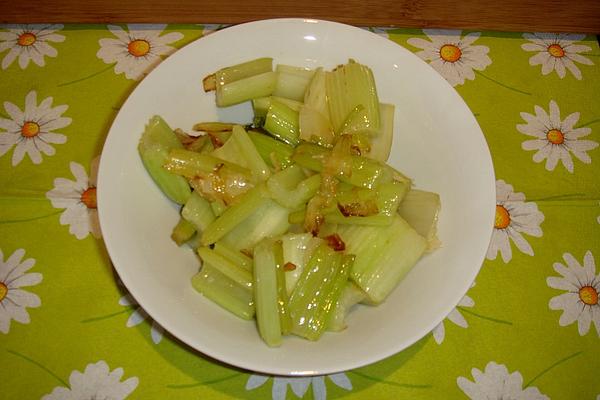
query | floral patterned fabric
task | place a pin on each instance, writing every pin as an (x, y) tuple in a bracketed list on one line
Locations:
[(529, 328)]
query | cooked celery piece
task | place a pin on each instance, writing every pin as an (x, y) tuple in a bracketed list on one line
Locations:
[(282, 122), (191, 164), (349, 86), (315, 127), (213, 127), (235, 256), (351, 295), (292, 82), (297, 217), (381, 144), (317, 291), (390, 195), (315, 96), (246, 205), (246, 89), (155, 144), (236, 72), (238, 274), (201, 144), (310, 156), (421, 209), (282, 294), (275, 153), (198, 212), (218, 207), (240, 149), (183, 231), (358, 122), (269, 219), (384, 255), (297, 250), (336, 217), (262, 104), (266, 293), (222, 290), (291, 188)]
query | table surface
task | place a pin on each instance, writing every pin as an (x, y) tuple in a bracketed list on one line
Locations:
[(529, 328)]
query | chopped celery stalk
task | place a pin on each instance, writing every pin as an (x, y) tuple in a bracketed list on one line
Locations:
[(390, 196), (315, 127), (262, 104), (381, 144), (239, 275), (200, 145), (317, 291), (350, 296), (275, 153), (349, 86), (191, 164), (315, 96), (297, 217), (420, 209), (297, 250), (282, 122), (155, 144), (218, 207), (240, 150), (246, 89), (244, 70), (235, 256), (291, 188), (282, 294), (213, 127), (310, 156), (269, 219), (384, 255), (183, 232), (245, 206), (358, 122), (198, 212), (224, 291), (336, 217), (266, 294), (292, 82)]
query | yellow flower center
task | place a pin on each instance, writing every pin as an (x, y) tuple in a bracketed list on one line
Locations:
[(502, 218), (555, 136), (138, 47), (450, 53), (3, 291), (587, 294), (26, 39), (88, 197), (556, 51), (30, 129)]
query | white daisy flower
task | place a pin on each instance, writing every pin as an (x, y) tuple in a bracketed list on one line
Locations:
[(513, 217), (14, 301), (555, 138), (31, 131), (439, 332), (582, 286), (496, 383), (29, 42), (137, 50), (557, 52), (299, 385), (78, 198), (451, 54), (139, 315), (96, 382)]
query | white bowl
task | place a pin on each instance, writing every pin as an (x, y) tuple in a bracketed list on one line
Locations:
[(437, 142)]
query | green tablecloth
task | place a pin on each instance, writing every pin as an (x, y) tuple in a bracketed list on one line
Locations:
[(528, 329)]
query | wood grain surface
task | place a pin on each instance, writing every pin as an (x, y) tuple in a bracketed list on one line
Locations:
[(502, 15)]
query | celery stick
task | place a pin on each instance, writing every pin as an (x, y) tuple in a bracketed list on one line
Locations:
[(235, 256), (297, 217), (317, 291), (155, 144), (191, 164), (246, 89), (351, 295), (198, 212), (315, 96), (247, 204), (390, 196), (282, 122), (292, 82), (297, 250), (291, 188), (384, 255), (182, 232), (310, 156), (213, 127), (275, 153), (240, 150), (244, 70), (349, 86), (421, 209), (218, 207), (336, 217), (269, 219), (381, 144), (224, 292), (225, 266), (262, 104), (266, 294), (315, 127), (282, 294)]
